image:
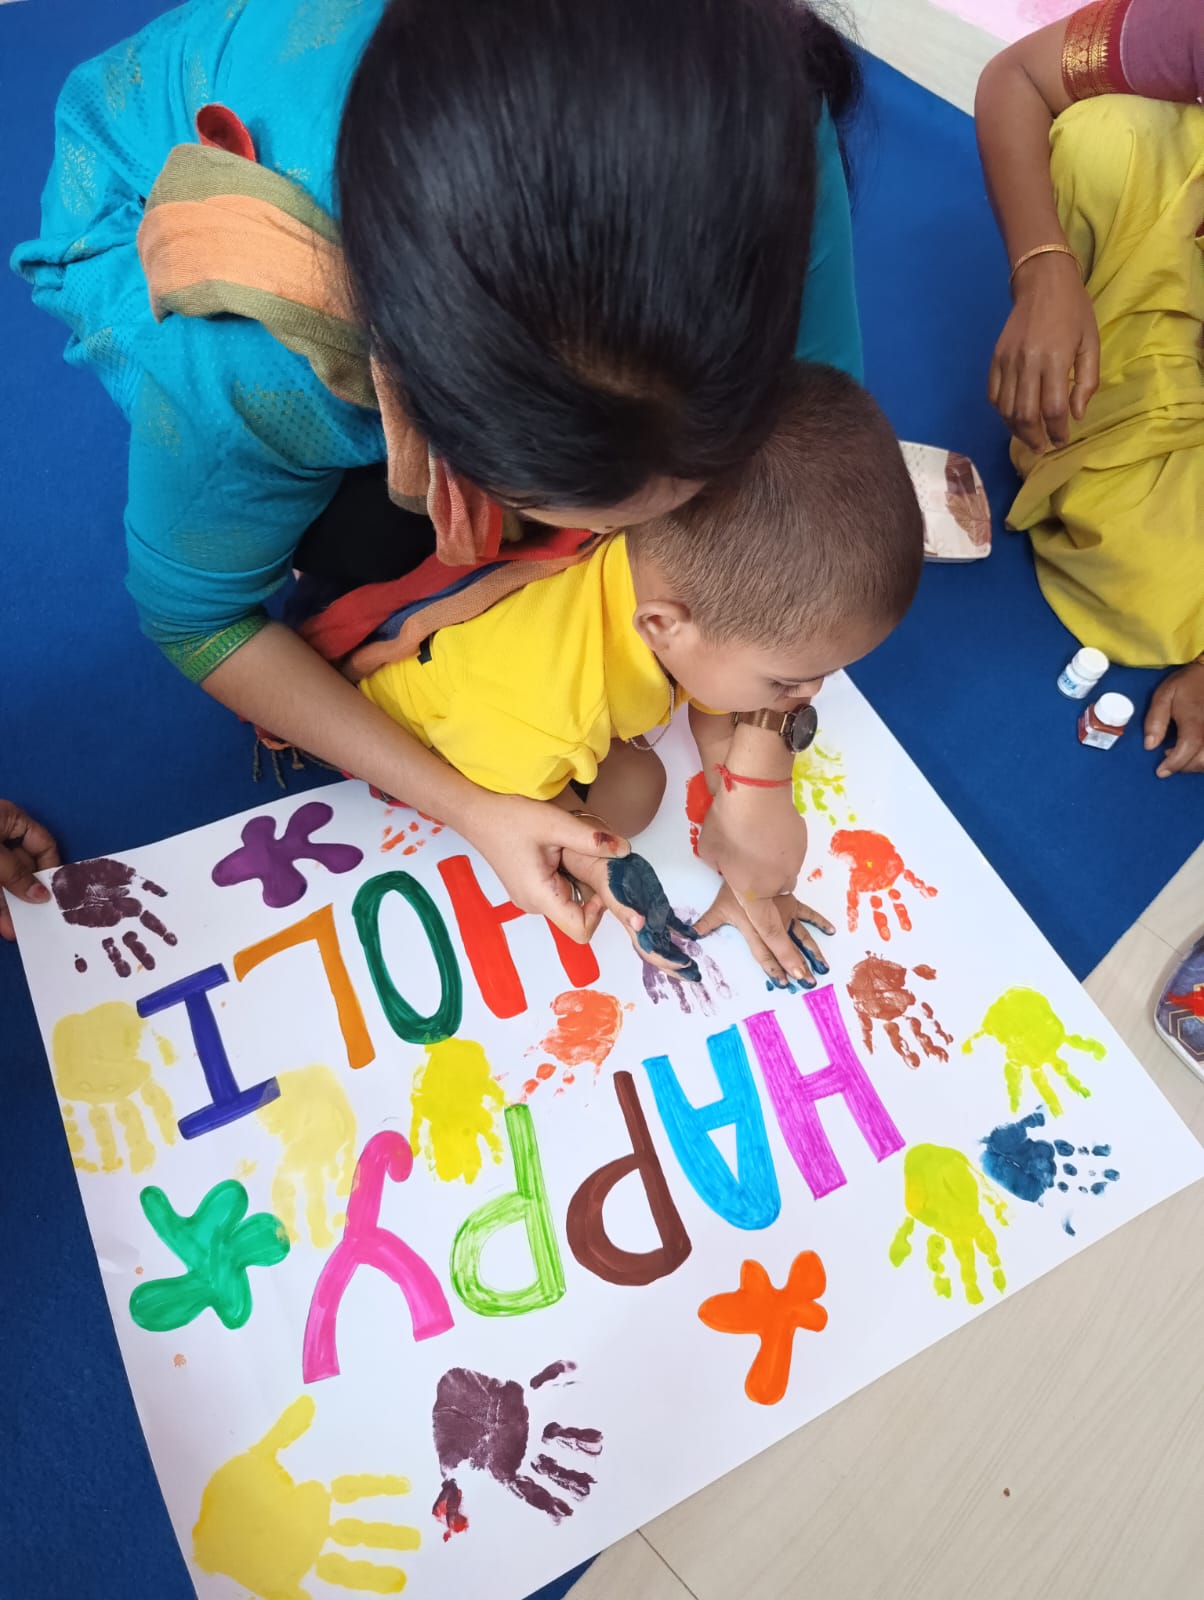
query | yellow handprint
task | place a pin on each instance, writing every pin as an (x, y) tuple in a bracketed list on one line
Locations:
[(1032, 1034), (260, 1527), (819, 782), (95, 1059), (316, 1124), (942, 1189), (456, 1102)]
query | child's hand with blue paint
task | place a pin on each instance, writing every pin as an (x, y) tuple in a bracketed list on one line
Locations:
[(776, 931), (630, 889)]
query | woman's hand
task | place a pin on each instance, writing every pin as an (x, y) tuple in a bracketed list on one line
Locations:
[(1179, 698), (25, 848), (775, 931), (755, 840), (524, 841), (1050, 335)]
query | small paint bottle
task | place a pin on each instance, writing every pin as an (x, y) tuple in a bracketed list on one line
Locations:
[(1102, 724), (1082, 672)]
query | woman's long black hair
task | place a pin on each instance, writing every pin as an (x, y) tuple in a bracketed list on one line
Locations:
[(577, 230)]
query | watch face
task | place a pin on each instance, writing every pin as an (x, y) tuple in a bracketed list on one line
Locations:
[(801, 729)]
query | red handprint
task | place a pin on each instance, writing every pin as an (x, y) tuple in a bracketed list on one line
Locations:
[(875, 865)]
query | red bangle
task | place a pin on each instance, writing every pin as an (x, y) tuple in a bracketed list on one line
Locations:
[(731, 779)]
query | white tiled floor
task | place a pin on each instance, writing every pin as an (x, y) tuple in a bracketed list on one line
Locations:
[(1054, 1448)]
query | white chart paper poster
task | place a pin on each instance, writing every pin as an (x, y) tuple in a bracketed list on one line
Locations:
[(442, 1253)]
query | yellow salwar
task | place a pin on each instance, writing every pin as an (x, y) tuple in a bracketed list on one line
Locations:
[(1116, 516)]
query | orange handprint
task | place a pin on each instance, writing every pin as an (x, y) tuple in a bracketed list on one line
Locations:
[(409, 836), (875, 865)]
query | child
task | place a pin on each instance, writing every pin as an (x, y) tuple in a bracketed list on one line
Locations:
[(738, 604)]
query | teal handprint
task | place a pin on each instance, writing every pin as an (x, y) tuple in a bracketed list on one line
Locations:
[(217, 1244)]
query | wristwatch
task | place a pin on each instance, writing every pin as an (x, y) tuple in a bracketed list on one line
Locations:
[(796, 728)]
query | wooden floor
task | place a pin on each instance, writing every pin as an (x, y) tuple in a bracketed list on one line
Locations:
[(1053, 1450)]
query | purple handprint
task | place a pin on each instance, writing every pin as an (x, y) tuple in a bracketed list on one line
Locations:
[(272, 860), (483, 1423), (100, 894)]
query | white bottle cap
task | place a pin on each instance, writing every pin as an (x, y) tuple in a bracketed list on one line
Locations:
[(1114, 710), (1089, 662)]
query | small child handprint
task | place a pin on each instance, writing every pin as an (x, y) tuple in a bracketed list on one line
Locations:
[(484, 1423), (879, 993), (819, 785), (100, 894), (95, 1059), (693, 996), (455, 1106), (1029, 1167), (875, 866), (944, 1192), (407, 836), (1032, 1036), (260, 1527), (313, 1119)]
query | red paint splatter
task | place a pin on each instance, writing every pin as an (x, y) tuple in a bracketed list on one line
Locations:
[(924, 971), (698, 802), (1193, 1002), (447, 1509), (814, 877)]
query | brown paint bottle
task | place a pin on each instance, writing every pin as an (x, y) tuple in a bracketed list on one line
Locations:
[(1102, 724)]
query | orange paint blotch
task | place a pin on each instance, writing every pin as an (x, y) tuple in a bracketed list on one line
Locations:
[(924, 971), (813, 877), (773, 1315), (544, 1071), (587, 1024), (179, 1360), (138, 1271)]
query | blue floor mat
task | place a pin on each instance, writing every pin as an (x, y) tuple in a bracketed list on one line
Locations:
[(102, 739)]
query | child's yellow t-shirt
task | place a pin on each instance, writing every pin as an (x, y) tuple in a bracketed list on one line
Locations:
[(530, 694)]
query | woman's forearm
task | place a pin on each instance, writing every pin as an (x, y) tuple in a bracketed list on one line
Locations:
[(1019, 95), (277, 682)]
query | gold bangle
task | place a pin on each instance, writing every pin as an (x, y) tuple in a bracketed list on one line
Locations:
[(1044, 250)]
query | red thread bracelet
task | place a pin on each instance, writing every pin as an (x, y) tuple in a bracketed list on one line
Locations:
[(731, 779)]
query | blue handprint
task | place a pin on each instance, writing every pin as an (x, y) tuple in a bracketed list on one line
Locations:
[(1029, 1168)]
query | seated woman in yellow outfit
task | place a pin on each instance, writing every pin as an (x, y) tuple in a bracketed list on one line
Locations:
[(1092, 143)]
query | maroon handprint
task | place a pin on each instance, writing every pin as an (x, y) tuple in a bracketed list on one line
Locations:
[(484, 1422), (101, 894), (878, 990)]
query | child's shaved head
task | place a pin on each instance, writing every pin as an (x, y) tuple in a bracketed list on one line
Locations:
[(820, 528)]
